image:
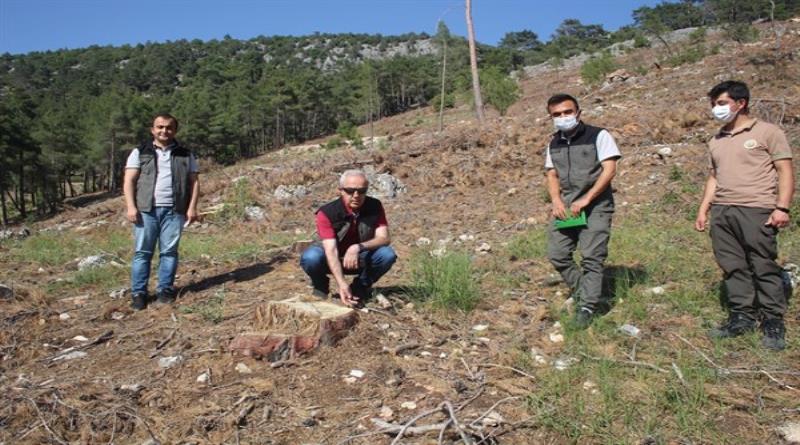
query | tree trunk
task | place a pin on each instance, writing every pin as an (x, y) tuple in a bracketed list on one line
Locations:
[(441, 93), (112, 162), (473, 61), (3, 205), (21, 196)]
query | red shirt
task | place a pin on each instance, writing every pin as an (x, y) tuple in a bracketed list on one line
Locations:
[(325, 229)]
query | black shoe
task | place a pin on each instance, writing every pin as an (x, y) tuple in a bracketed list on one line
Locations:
[(363, 293), (737, 324), (774, 333), (139, 302), (166, 296), (584, 317)]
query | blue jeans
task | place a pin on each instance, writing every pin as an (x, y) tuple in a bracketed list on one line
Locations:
[(373, 264), (161, 224)]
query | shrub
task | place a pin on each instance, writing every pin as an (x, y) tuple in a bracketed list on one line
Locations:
[(446, 282), (499, 90), (641, 41), (335, 141), (594, 70), (449, 101)]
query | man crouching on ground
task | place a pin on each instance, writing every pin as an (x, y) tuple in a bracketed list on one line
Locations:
[(355, 241)]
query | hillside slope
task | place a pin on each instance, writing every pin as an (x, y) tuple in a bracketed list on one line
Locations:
[(515, 356)]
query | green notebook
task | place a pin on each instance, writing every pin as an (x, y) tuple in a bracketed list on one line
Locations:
[(575, 221)]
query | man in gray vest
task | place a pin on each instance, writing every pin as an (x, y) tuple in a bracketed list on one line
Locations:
[(161, 192), (580, 162), (355, 241)]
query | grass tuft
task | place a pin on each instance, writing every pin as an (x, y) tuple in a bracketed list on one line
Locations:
[(446, 282)]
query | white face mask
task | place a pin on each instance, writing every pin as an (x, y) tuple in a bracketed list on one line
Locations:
[(565, 123), (723, 113)]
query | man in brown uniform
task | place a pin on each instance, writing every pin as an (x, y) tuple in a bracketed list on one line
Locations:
[(749, 192)]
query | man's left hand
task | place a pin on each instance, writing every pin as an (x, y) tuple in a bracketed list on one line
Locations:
[(578, 205), (778, 219), (350, 261)]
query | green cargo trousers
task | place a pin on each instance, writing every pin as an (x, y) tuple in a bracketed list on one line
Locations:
[(746, 250), (592, 241)]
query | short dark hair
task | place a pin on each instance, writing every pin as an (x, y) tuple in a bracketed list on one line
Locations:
[(561, 97), (736, 90), (168, 117)]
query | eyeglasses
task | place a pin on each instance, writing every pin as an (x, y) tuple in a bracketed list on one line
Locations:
[(351, 190)]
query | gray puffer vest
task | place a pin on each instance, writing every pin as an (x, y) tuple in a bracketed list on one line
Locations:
[(148, 173)]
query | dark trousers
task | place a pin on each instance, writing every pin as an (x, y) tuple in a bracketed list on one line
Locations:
[(746, 250), (592, 241)]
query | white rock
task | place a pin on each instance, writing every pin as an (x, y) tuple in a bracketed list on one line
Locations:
[(425, 354), (564, 363), (658, 290), (383, 302), (92, 261), (117, 315), (480, 327), (556, 337), (665, 151), (241, 368), (73, 355), (484, 248), (357, 373), (466, 237), (557, 325), (286, 192), (493, 419), (422, 241), (203, 378), (80, 338), (443, 355), (483, 339), (254, 213), (630, 330), (119, 293), (790, 432), (539, 359), (350, 380), (440, 252), (63, 317), (169, 362), (512, 191), (408, 405), (386, 413), (132, 387)]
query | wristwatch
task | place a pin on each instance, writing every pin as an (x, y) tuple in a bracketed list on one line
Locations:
[(783, 209)]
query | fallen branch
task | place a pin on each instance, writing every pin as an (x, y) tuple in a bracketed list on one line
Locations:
[(163, 343), (401, 348), (494, 365), (106, 336), (635, 363), (496, 404), (44, 423), (728, 371), (413, 420), (467, 440)]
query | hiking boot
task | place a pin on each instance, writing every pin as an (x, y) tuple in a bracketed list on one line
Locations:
[(138, 302), (166, 296), (584, 317), (737, 324), (363, 293), (774, 333)]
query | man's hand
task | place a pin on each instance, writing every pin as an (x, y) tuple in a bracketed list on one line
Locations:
[(578, 205), (778, 219), (701, 222), (350, 261), (346, 295), (192, 216), (132, 214), (559, 210)]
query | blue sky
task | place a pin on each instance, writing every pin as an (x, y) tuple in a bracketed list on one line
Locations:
[(38, 25)]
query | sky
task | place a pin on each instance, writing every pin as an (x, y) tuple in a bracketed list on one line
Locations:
[(40, 25)]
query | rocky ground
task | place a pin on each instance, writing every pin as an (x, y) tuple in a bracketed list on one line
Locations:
[(78, 366)]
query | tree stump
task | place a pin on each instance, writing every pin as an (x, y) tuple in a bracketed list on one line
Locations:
[(285, 329)]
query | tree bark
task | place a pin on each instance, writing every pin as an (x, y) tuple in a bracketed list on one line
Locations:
[(441, 93), (473, 61)]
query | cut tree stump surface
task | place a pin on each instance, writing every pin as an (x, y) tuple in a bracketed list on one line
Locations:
[(285, 329)]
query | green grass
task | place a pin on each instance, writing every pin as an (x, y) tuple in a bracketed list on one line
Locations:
[(530, 245), (210, 310), (446, 282)]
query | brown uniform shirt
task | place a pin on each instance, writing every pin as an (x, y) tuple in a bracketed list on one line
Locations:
[(743, 162)]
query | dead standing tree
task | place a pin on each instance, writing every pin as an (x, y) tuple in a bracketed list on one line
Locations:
[(473, 60)]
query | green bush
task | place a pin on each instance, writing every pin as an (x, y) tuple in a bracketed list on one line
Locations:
[(335, 141), (347, 130), (446, 282), (499, 90), (692, 54), (698, 36), (594, 70), (449, 101), (741, 32), (641, 41)]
